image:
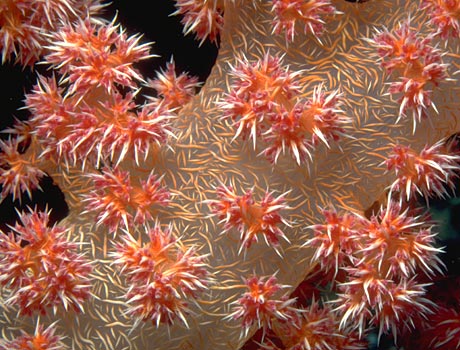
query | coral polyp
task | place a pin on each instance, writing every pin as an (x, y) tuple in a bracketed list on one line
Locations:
[(251, 218), (444, 16), (262, 304), (19, 175), (417, 64), (318, 327), (25, 25), (42, 339), (118, 202), (291, 14), (430, 173), (174, 90), (41, 269), (384, 303), (91, 55), (258, 91), (163, 275), (202, 17)]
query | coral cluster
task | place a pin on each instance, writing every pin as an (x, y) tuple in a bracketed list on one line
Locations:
[(300, 138)]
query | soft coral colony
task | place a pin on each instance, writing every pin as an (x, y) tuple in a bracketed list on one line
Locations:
[(301, 162)]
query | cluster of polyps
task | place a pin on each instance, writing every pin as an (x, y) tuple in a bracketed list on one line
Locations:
[(264, 103), (261, 304), (318, 327), (278, 315), (173, 90), (163, 276), (417, 64), (18, 174), (251, 218), (381, 257), (204, 18), (429, 173), (41, 268), (117, 201), (86, 117)]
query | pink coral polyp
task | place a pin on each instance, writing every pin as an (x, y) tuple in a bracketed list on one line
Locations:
[(290, 14), (428, 173), (202, 17), (416, 63), (119, 202), (40, 268), (251, 218), (262, 304), (92, 55), (257, 89), (445, 17), (163, 275)]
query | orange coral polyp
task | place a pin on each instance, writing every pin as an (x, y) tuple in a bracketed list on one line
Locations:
[(202, 17), (174, 90), (47, 271), (117, 201), (445, 16), (163, 276), (251, 218), (417, 64), (290, 13), (18, 174), (42, 339), (262, 304), (430, 172)]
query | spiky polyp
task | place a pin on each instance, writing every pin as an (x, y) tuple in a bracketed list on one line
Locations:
[(119, 202), (204, 155), (369, 297), (163, 276), (318, 328), (26, 24), (292, 13), (399, 244), (264, 103), (262, 305), (18, 174), (251, 218), (445, 17), (91, 115), (80, 129), (40, 268), (381, 257), (91, 55), (202, 17), (42, 339), (417, 64), (258, 90), (431, 172), (307, 124), (174, 90), (334, 240)]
